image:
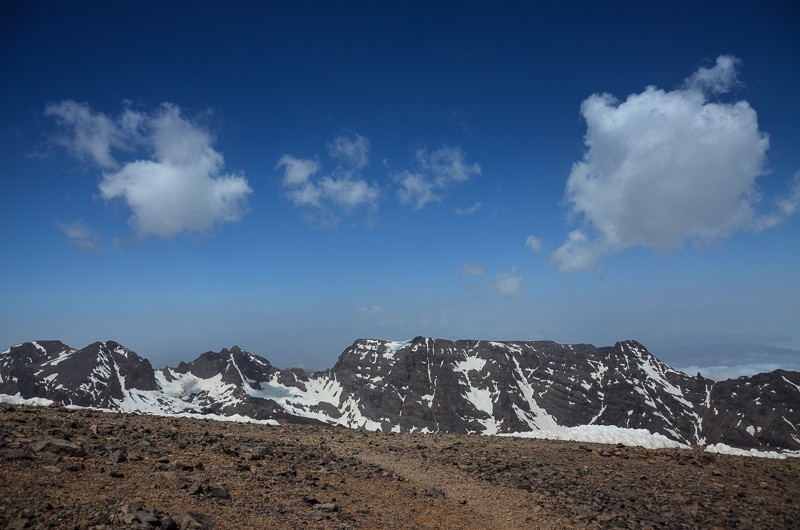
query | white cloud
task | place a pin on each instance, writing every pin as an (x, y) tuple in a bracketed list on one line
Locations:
[(474, 270), (446, 165), (342, 190), (180, 188), (297, 172), (437, 171), (415, 189), (297, 178), (349, 193), (80, 235), (90, 134), (718, 79), (469, 210), (579, 253), (666, 168), (510, 283), (533, 243), (351, 150)]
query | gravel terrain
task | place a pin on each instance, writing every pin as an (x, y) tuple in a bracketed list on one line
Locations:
[(78, 468)]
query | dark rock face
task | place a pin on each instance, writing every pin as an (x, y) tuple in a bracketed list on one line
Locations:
[(428, 385), (236, 366), (97, 375), (477, 386), (762, 410), (236, 378)]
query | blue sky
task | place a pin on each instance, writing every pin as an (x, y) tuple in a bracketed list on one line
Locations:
[(290, 177)]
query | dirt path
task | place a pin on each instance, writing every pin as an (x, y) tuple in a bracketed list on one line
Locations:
[(489, 506)]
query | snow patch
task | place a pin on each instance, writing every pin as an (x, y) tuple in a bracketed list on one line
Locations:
[(184, 387), (481, 399), (597, 416), (600, 370), (469, 364), (728, 450), (658, 374), (393, 347), (63, 356), (794, 385), (603, 434), (538, 417), (17, 399)]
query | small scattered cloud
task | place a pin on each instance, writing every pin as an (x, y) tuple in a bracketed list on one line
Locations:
[(579, 253), (469, 210), (510, 283), (506, 283), (341, 191), (789, 205), (666, 168), (178, 186), (719, 79), (351, 150), (371, 312), (376, 316), (350, 193), (785, 207), (297, 175), (436, 172), (80, 235), (473, 270), (533, 243), (92, 135), (416, 189)]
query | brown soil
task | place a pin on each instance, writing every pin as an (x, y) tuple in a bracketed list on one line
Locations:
[(67, 468)]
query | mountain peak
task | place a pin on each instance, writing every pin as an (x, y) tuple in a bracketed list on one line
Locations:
[(631, 344), (427, 385)]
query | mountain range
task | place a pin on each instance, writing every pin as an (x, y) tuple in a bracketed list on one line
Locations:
[(426, 385)]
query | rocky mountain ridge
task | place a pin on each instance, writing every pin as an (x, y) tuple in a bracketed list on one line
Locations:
[(426, 385)]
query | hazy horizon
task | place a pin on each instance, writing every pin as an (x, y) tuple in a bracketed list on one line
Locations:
[(733, 360)]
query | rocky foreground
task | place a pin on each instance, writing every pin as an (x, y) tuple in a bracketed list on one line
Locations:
[(78, 468)]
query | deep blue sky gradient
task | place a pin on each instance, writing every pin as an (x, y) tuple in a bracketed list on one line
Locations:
[(503, 81)]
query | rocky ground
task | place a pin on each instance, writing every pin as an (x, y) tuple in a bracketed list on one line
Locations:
[(68, 468)]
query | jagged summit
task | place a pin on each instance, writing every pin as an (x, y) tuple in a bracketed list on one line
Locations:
[(427, 385)]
